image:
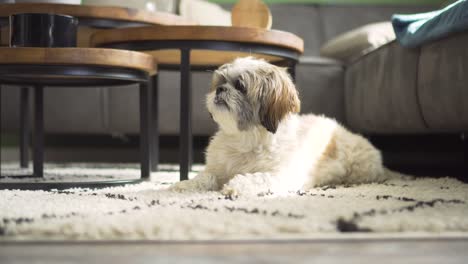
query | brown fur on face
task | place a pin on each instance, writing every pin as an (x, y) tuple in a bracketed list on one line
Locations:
[(279, 97)]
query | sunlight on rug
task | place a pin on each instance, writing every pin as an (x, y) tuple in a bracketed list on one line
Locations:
[(148, 211)]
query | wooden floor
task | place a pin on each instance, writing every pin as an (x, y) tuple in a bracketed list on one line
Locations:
[(362, 251)]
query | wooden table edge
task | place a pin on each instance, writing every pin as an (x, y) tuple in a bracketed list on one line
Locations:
[(76, 56), (162, 32)]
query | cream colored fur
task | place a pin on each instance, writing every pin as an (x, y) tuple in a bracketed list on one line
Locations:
[(304, 151)]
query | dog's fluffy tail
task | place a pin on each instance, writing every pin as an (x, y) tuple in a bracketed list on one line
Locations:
[(393, 175)]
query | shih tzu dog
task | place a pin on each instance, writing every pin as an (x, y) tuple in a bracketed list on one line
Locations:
[(263, 145)]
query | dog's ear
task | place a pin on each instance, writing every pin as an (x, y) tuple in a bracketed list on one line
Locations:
[(278, 97)]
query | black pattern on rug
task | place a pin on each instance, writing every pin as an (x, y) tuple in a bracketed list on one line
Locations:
[(149, 211)]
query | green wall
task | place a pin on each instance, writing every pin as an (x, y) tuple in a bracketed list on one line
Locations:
[(374, 2)]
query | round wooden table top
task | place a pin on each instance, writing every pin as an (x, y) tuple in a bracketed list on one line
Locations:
[(96, 12), (273, 38), (79, 56)]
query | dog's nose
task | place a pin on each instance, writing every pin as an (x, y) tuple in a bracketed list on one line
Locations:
[(220, 89)]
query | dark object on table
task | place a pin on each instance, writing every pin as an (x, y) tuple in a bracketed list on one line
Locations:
[(43, 30)]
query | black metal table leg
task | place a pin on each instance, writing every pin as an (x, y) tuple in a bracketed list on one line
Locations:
[(38, 131), (185, 115), (154, 123), (145, 130), (64, 75), (24, 127)]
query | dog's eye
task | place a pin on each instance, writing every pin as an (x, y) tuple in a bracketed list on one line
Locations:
[(222, 79), (239, 86)]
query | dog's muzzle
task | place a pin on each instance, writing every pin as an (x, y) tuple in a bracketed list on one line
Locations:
[(219, 100)]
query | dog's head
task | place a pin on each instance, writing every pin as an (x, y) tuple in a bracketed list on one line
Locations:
[(248, 93)]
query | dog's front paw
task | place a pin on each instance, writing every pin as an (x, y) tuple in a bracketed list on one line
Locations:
[(183, 186), (229, 192)]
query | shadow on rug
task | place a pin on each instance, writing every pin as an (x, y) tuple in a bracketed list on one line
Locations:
[(148, 211)]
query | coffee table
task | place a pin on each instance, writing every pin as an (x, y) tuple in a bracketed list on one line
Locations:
[(91, 19), (76, 67), (187, 48)]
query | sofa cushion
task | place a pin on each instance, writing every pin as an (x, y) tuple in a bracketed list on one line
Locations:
[(358, 41), (443, 83), (381, 91)]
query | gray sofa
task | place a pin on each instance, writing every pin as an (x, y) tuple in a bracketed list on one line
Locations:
[(398, 90), (391, 90)]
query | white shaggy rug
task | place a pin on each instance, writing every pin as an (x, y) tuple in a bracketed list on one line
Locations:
[(425, 206)]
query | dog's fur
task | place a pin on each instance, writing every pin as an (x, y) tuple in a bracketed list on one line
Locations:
[(263, 144)]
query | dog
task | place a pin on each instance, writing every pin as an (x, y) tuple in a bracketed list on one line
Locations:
[(263, 145)]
